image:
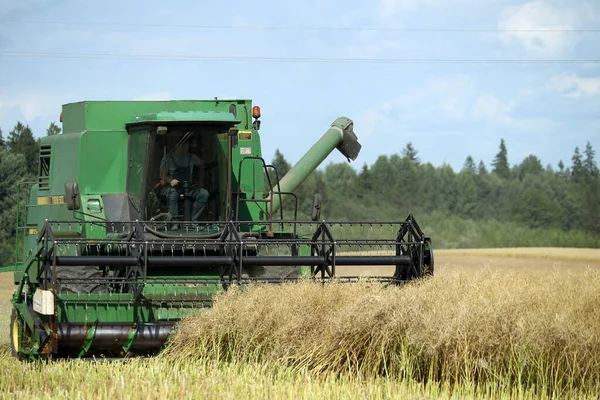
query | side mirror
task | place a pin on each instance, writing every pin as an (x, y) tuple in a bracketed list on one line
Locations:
[(233, 134), (316, 207), (72, 197)]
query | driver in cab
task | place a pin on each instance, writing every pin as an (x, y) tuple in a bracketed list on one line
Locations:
[(178, 168)]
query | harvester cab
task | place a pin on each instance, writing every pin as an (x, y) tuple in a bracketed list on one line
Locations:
[(175, 172), (143, 211)]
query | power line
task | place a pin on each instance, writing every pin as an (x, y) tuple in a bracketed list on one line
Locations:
[(296, 28), (164, 57)]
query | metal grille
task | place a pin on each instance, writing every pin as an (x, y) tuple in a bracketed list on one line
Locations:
[(44, 175)]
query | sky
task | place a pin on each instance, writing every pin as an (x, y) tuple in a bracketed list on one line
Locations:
[(308, 62)]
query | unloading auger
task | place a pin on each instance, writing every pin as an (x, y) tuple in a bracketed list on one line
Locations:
[(113, 256)]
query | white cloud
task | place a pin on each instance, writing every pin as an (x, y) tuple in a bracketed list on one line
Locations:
[(440, 100), (488, 106), (32, 105), (540, 15), (451, 105), (446, 98), (36, 109), (572, 85), (369, 121)]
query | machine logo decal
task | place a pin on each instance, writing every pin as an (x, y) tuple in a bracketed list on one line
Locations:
[(50, 200)]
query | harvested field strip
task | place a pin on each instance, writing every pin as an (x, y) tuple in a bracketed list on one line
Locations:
[(514, 329), (555, 253), (573, 254)]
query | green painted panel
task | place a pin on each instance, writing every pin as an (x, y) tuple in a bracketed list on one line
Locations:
[(103, 169), (73, 118), (122, 308), (113, 115), (63, 165)]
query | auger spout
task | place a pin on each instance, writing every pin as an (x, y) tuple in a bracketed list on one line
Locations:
[(340, 135)]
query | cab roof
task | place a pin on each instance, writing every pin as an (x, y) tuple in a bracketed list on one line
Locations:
[(186, 116), (110, 116)]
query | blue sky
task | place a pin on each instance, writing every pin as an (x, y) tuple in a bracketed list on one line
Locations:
[(447, 110)]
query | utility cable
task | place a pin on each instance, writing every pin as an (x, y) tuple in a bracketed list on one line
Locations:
[(297, 28), (164, 57)]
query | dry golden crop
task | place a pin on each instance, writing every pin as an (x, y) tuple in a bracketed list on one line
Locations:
[(517, 329), (526, 326)]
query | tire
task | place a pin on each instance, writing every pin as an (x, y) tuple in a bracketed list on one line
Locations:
[(66, 274), (16, 335)]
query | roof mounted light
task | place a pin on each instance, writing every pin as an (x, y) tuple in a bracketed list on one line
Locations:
[(256, 112)]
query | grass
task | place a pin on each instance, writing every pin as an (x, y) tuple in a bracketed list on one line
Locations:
[(454, 232), (192, 379), (449, 231), (490, 332)]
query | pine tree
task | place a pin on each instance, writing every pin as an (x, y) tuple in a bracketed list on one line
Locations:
[(52, 130), (481, 169), (589, 164), (500, 163), (14, 137), (469, 165), (281, 164), (2, 142), (365, 180), (20, 140), (411, 153), (577, 168), (531, 165)]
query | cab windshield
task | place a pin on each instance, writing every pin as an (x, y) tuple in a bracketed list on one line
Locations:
[(177, 172)]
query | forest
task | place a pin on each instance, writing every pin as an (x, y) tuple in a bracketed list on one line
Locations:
[(525, 204)]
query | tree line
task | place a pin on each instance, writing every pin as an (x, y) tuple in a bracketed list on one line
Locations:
[(527, 193), (19, 162), (566, 197)]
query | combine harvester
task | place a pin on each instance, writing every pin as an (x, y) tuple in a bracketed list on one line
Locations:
[(126, 232)]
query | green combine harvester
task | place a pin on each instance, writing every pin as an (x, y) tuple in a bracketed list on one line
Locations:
[(144, 210)]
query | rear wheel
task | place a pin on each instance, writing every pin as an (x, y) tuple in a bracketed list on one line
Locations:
[(18, 334)]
